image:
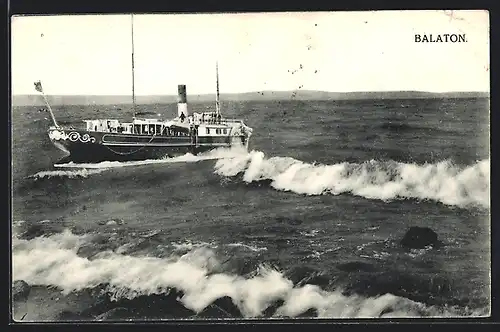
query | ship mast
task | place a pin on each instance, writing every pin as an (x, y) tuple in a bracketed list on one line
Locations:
[(217, 103), (133, 73)]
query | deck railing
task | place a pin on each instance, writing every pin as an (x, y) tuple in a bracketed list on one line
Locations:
[(222, 121)]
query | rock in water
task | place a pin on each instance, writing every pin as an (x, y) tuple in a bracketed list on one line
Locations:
[(20, 290), (419, 238)]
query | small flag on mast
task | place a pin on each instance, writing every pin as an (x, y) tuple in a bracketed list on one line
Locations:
[(38, 86)]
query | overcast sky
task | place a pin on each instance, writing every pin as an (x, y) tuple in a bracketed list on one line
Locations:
[(338, 51)]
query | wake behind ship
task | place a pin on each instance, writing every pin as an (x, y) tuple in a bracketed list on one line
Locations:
[(148, 138)]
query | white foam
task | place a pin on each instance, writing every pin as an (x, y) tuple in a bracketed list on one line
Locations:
[(246, 246), (82, 173), (442, 182), (53, 261), (189, 245), (311, 233)]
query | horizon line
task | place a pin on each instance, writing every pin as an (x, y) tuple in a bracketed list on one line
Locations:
[(260, 91)]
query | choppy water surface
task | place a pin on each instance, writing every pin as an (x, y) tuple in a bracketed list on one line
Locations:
[(307, 223)]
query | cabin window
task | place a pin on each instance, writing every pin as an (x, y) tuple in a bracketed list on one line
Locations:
[(224, 131), (144, 129), (158, 129), (208, 131), (137, 129)]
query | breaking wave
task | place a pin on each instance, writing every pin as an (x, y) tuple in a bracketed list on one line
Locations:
[(444, 182), (53, 261)]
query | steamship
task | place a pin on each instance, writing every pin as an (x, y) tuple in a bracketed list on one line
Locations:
[(148, 138)]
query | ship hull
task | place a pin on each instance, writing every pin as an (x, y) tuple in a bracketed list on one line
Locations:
[(82, 146)]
